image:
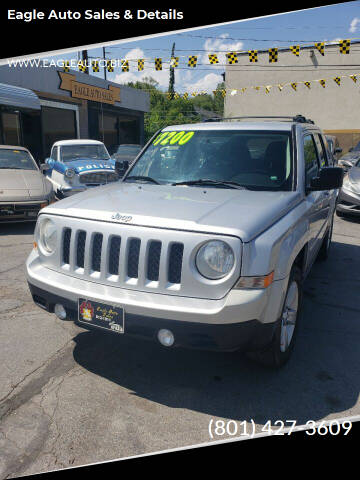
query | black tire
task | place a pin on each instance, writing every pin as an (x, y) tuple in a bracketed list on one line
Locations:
[(326, 244), (340, 214), (272, 356)]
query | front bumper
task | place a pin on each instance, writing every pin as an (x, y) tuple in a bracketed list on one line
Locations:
[(249, 335), (20, 211), (242, 320), (348, 202)]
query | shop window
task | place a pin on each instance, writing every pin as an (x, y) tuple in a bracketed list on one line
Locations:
[(11, 128), (117, 129), (31, 131), (57, 124)]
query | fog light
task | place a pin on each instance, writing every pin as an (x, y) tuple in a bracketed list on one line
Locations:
[(60, 311), (166, 337)]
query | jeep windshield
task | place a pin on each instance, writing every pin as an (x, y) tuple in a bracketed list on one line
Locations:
[(259, 160), (93, 152)]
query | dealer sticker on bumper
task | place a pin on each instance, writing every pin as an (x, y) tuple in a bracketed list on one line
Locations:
[(101, 315)]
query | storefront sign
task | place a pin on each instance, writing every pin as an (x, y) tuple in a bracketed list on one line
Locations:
[(89, 92)]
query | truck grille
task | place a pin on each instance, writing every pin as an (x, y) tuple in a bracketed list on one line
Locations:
[(98, 178), (111, 252), (134, 257)]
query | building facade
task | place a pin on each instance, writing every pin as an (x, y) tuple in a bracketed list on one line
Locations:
[(39, 106), (334, 107)]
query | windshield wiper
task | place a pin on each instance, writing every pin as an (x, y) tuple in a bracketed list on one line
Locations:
[(222, 183), (141, 177)]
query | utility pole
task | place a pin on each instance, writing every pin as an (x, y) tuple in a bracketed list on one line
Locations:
[(172, 75), (104, 57)]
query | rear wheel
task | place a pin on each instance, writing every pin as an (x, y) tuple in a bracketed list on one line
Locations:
[(282, 345)]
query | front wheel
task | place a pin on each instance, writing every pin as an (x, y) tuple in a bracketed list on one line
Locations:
[(282, 345)]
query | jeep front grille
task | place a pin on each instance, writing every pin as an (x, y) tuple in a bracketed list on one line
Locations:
[(136, 258), (112, 253)]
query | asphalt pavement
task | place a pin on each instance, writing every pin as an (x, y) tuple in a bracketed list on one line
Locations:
[(72, 397)]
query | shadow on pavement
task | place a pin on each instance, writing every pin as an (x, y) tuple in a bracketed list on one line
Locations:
[(24, 228), (321, 378)]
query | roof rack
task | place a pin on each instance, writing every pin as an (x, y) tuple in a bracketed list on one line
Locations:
[(296, 118)]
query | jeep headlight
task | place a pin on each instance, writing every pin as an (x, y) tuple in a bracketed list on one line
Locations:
[(70, 172), (215, 259), (48, 235)]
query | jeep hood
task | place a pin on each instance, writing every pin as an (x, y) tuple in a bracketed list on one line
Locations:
[(243, 213)]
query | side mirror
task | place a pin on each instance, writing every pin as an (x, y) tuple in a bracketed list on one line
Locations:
[(338, 150), (121, 167), (329, 178), (44, 167)]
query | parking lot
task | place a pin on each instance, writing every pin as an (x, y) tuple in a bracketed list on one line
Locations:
[(70, 397)]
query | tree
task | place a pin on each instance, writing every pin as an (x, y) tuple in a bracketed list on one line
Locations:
[(163, 111)]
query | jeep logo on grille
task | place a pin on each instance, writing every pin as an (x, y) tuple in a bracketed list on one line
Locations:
[(121, 218)]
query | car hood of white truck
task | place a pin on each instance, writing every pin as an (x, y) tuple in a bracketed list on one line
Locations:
[(243, 213)]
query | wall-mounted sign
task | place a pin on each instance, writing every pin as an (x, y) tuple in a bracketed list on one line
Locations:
[(88, 92)]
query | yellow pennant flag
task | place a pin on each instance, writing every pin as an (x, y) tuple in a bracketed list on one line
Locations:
[(213, 58), (337, 80), (158, 64), (322, 83), (295, 49), (353, 78), (321, 47), (344, 46), (294, 85), (192, 61), (253, 56), (307, 84)]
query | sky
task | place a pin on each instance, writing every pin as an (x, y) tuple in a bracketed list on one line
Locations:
[(331, 23)]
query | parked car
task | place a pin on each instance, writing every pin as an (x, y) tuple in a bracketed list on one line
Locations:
[(210, 253), (23, 188), (349, 196), (349, 159), (75, 165), (125, 152), (334, 147)]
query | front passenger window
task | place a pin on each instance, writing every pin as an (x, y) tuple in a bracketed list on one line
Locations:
[(311, 159)]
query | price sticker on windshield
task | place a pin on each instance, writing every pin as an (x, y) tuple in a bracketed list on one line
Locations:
[(173, 138)]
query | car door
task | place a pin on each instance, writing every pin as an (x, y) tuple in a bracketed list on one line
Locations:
[(328, 196), (314, 200), (54, 163)]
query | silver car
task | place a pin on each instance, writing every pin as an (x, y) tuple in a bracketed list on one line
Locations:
[(204, 248), (23, 188)]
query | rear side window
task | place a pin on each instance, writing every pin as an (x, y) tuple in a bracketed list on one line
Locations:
[(311, 159), (321, 150)]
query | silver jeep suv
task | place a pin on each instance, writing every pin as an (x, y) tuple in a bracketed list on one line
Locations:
[(204, 243)]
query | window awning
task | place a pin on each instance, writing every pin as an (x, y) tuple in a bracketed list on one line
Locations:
[(12, 96)]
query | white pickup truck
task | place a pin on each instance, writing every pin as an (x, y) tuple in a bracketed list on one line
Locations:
[(204, 243)]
